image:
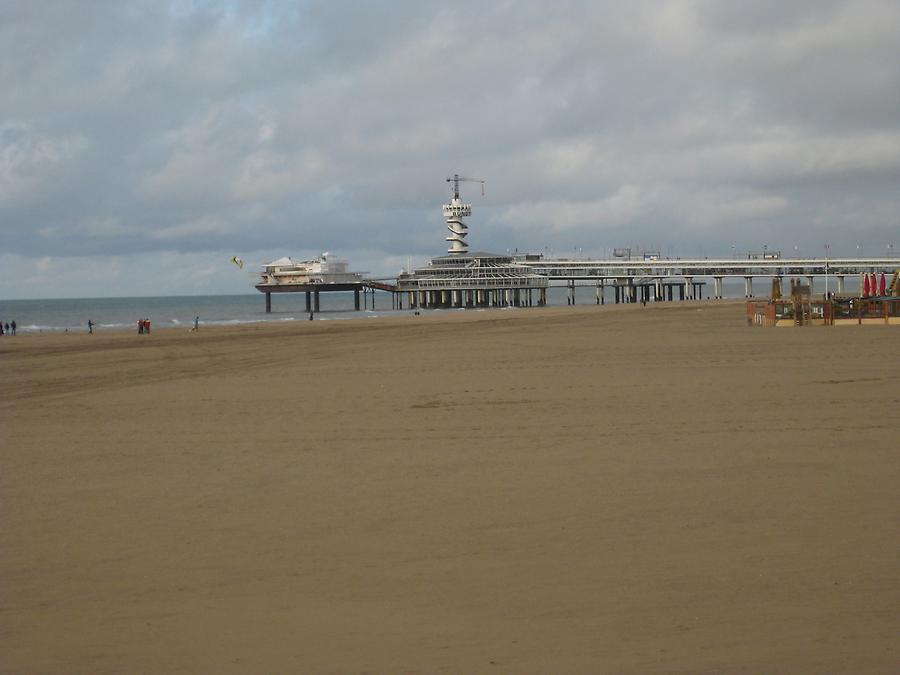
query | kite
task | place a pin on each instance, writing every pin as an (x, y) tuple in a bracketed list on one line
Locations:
[(237, 261)]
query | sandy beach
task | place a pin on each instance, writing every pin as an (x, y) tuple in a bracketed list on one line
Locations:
[(560, 490)]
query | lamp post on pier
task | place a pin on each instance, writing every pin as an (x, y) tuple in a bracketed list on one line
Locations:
[(827, 250)]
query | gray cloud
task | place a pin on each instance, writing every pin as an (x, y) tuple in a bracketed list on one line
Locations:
[(143, 131)]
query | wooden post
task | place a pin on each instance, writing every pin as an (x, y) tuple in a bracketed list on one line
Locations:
[(268, 303)]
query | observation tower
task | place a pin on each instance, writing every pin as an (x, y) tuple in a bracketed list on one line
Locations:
[(463, 279), (454, 212)]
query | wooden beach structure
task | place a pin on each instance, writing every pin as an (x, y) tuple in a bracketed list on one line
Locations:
[(878, 304)]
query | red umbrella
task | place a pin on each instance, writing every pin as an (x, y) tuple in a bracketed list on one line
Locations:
[(865, 285), (882, 285)]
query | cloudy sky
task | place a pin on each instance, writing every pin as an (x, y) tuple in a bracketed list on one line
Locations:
[(144, 143)]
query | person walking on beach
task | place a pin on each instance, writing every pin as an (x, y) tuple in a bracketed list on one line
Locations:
[(140, 326), (13, 324), (6, 327), (196, 324), (147, 326), (1, 328), (90, 327)]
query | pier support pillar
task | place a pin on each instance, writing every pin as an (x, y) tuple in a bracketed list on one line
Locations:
[(268, 303), (316, 304), (840, 283), (689, 287), (748, 287), (810, 278), (356, 299), (308, 302), (717, 287)]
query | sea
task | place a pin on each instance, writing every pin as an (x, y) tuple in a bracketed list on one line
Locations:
[(73, 314)]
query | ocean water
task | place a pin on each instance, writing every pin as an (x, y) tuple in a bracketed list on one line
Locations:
[(60, 315), (32, 316)]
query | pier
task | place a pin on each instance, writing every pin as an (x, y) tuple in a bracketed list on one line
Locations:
[(480, 280), (464, 279)]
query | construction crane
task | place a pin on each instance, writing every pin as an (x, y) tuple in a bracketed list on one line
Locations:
[(457, 179)]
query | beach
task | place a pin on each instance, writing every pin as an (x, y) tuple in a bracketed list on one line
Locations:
[(616, 489)]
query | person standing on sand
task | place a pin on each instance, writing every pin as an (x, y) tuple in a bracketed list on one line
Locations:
[(196, 323), (140, 326), (13, 326), (90, 327)]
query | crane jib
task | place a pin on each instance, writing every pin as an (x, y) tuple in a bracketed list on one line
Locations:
[(456, 179)]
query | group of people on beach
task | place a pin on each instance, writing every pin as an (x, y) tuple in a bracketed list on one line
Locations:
[(143, 326), (7, 328)]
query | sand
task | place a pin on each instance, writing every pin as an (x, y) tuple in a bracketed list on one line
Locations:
[(585, 490)]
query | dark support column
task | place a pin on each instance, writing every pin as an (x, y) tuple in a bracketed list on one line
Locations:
[(268, 303), (681, 291), (316, 300), (308, 302), (356, 299)]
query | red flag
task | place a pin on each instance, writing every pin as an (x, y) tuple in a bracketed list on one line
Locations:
[(882, 285), (865, 285)]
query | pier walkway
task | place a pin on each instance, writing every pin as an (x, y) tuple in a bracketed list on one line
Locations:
[(657, 274)]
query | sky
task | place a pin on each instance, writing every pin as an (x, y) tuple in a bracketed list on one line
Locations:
[(145, 143)]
